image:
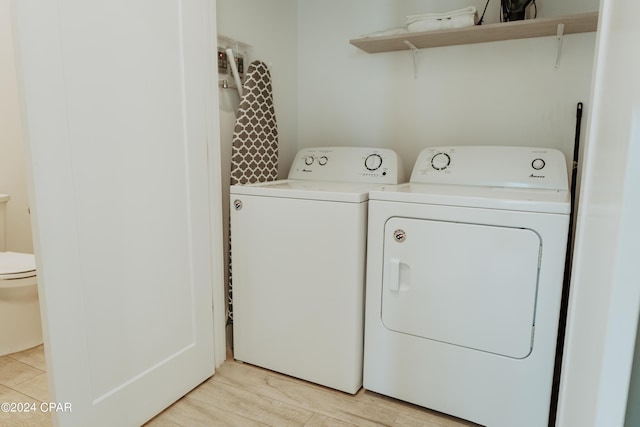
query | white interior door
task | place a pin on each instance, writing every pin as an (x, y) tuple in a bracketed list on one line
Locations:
[(116, 103)]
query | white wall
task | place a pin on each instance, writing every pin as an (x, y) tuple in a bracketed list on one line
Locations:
[(270, 28), (328, 92), (566, 7), (13, 173), (503, 93)]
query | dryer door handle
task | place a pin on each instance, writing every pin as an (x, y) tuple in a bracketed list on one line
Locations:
[(398, 275)]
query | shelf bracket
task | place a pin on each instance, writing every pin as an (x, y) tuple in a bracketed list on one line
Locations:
[(559, 36), (414, 51)]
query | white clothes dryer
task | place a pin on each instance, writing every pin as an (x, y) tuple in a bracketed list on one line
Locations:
[(464, 278), (298, 264)]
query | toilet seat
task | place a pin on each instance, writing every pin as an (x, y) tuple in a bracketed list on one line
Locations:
[(17, 265)]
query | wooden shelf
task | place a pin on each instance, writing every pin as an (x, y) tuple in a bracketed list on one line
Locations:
[(581, 23)]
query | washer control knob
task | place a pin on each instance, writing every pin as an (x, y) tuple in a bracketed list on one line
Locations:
[(373, 162), (308, 160), (538, 164), (440, 161), (323, 160)]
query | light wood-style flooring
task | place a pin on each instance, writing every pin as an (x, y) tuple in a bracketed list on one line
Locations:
[(23, 379), (246, 396), (237, 395)]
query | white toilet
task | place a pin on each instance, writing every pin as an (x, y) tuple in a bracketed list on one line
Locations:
[(20, 326)]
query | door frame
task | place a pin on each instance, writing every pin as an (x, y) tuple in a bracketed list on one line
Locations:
[(215, 181)]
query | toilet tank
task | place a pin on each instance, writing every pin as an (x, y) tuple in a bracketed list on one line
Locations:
[(3, 204)]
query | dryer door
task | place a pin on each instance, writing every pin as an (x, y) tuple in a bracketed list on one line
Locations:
[(469, 285)]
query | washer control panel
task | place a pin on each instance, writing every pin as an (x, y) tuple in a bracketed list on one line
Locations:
[(349, 164), (526, 167)]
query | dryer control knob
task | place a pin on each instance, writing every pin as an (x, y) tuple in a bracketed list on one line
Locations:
[(308, 160), (440, 161), (323, 160), (373, 162), (537, 164)]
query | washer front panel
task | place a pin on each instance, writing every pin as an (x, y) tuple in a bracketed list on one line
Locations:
[(470, 285), (298, 275)]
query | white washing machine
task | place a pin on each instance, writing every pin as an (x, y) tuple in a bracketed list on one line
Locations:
[(298, 260), (464, 280)]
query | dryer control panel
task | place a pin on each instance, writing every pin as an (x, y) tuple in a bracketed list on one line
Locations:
[(494, 166), (349, 164)]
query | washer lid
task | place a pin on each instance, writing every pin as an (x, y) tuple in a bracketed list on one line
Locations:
[(505, 198), (311, 190), (16, 265)]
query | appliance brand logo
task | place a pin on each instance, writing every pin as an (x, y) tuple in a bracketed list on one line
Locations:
[(307, 170), (536, 176)]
